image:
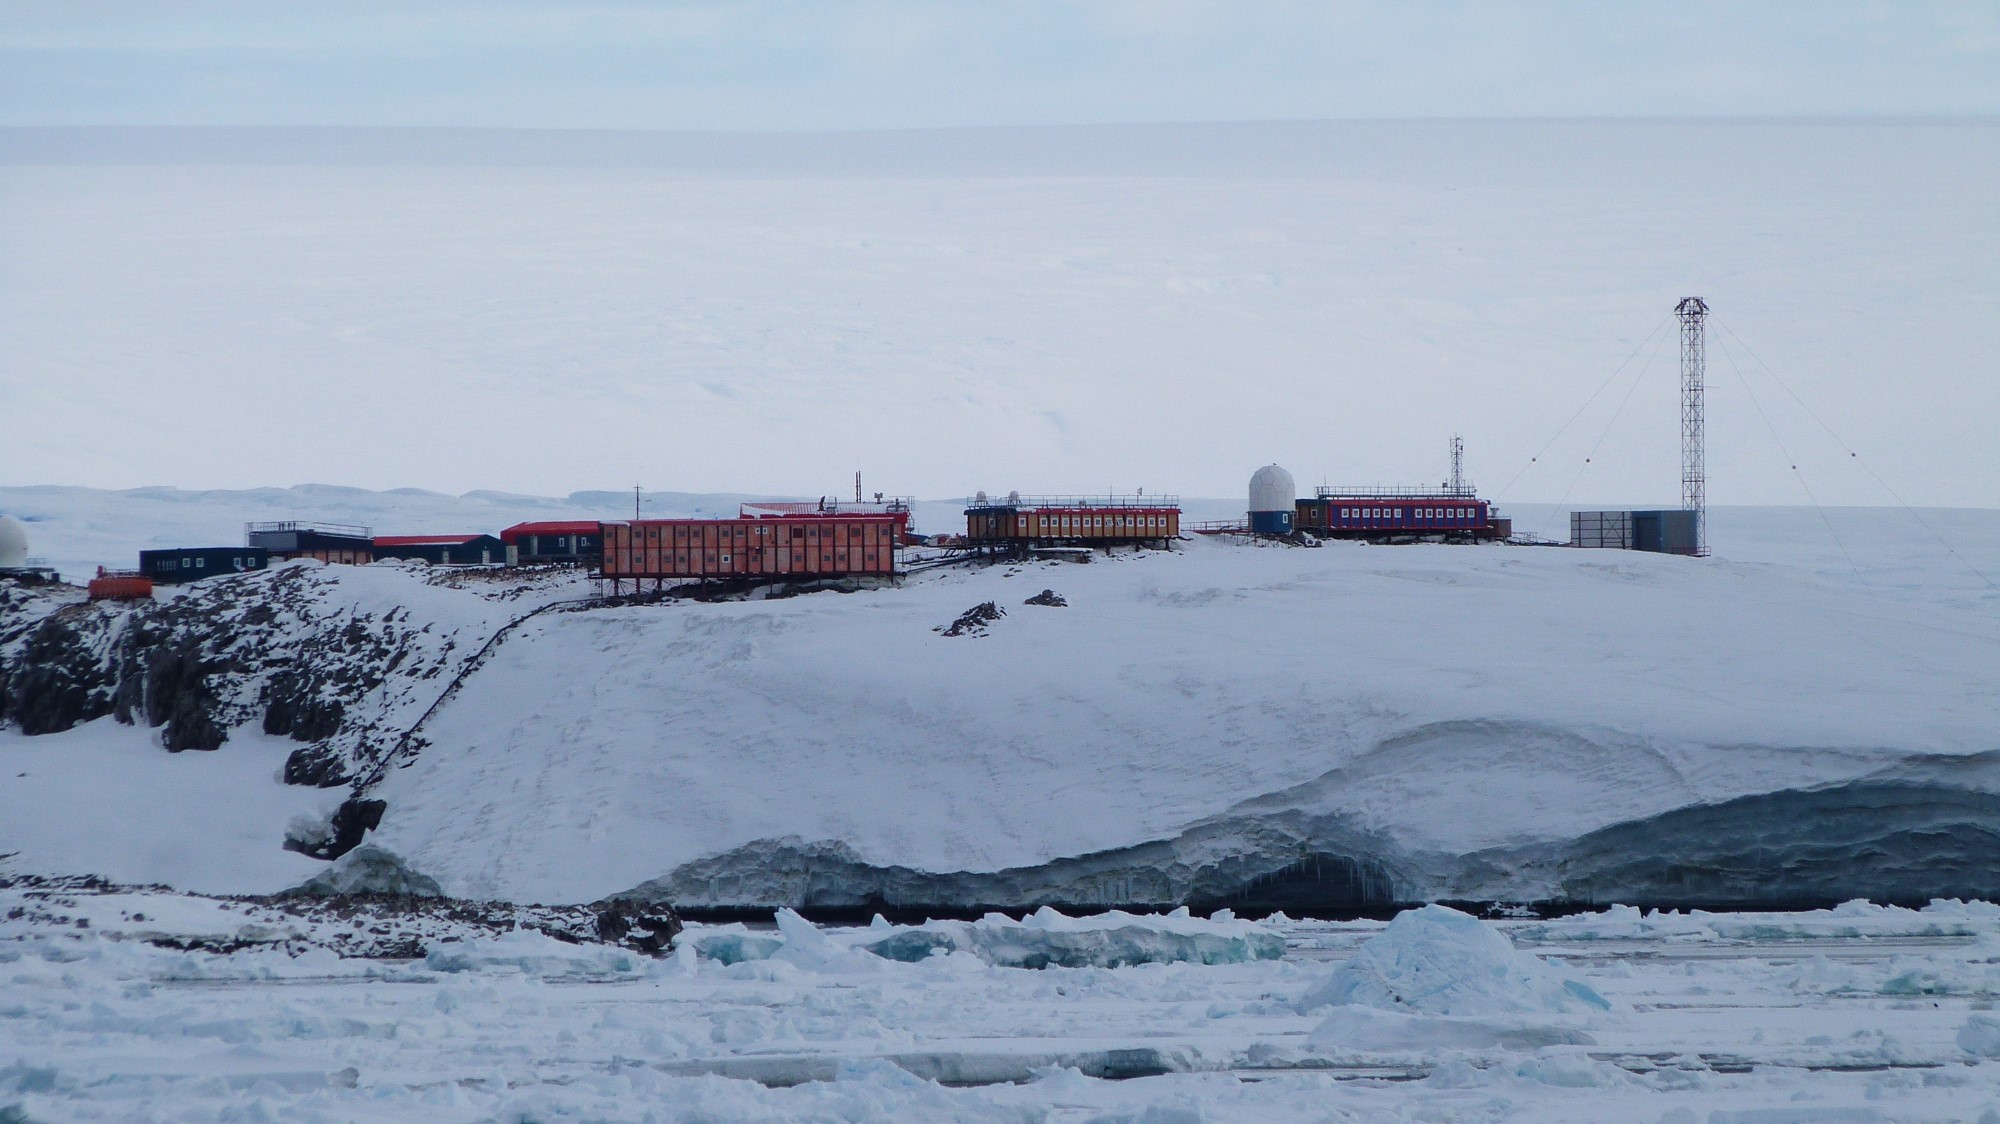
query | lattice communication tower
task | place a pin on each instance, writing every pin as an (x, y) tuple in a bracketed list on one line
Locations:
[(1693, 311)]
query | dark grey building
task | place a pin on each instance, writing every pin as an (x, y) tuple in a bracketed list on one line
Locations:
[(328, 542), (193, 563), (443, 550)]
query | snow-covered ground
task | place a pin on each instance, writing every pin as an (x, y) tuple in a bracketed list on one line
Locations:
[(1470, 723), (1223, 685), (1856, 1014)]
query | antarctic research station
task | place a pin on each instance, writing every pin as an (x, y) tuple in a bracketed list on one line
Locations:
[(869, 539)]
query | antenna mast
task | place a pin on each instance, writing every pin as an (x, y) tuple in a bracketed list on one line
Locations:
[(1457, 485), (857, 485), (1692, 311)]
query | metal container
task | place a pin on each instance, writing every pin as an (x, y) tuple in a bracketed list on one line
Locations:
[(780, 546), (120, 585)]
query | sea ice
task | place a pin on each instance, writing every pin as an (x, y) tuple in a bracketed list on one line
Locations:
[(729, 944), (537, 954), (1047, 938), (1980, 1035), (1438, 961)]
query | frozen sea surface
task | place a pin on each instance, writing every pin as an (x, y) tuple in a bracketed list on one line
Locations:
[(1712, 1017)]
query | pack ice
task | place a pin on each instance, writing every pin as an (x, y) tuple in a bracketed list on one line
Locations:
[(1045, 938)]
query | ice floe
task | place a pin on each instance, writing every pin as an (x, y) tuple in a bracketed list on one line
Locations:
[(1438, 961)]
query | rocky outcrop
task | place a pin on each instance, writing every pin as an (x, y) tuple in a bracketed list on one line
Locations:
[(60, 674), (342, 833), (295, 649)]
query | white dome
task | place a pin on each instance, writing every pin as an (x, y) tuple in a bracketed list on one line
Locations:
[(13, 544), (1272, 489)]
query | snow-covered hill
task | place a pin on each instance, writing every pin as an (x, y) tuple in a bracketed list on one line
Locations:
[(1279, 726), (1398, 706)]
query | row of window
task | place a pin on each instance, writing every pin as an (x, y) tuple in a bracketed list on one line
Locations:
[(1099, 522), (682, 534), (201, 563), (1442, 514), (683, 561)]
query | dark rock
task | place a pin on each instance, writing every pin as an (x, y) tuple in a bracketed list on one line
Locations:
[(295, 705), (649, 927), (179, 697), (351, 821), (57, 680), (612, 926), (316, 766), (1047, 597), (973, 621)]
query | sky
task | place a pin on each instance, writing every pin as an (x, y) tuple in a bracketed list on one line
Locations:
[(823, 64), (736, 236)]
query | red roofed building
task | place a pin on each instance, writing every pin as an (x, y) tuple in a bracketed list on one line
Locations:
[(573, 540)]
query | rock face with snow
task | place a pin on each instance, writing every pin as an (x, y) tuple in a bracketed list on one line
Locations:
[(340, 659)]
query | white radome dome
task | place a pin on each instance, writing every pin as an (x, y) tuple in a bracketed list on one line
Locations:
[(13, 544), (1272, 489)]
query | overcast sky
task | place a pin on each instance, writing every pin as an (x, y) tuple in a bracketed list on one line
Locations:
[(889, 63)]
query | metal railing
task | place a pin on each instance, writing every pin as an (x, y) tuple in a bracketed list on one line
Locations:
[(1073, 502), (893, 505), (344, 530), (1441, 492)]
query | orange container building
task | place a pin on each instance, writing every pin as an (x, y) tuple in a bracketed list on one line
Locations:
[(773, 546), (120, 585), (1086, 520)]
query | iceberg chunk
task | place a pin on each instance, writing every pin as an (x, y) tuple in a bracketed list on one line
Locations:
[(369, 869), (1438, 961)]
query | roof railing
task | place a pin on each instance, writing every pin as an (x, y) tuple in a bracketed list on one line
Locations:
[(1019, 501), (345, 530), (1441, 492), (888, 505)]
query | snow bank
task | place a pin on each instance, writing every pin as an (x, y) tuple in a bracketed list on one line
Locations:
[(1046, 938), (1438, 961), (369, 869)]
